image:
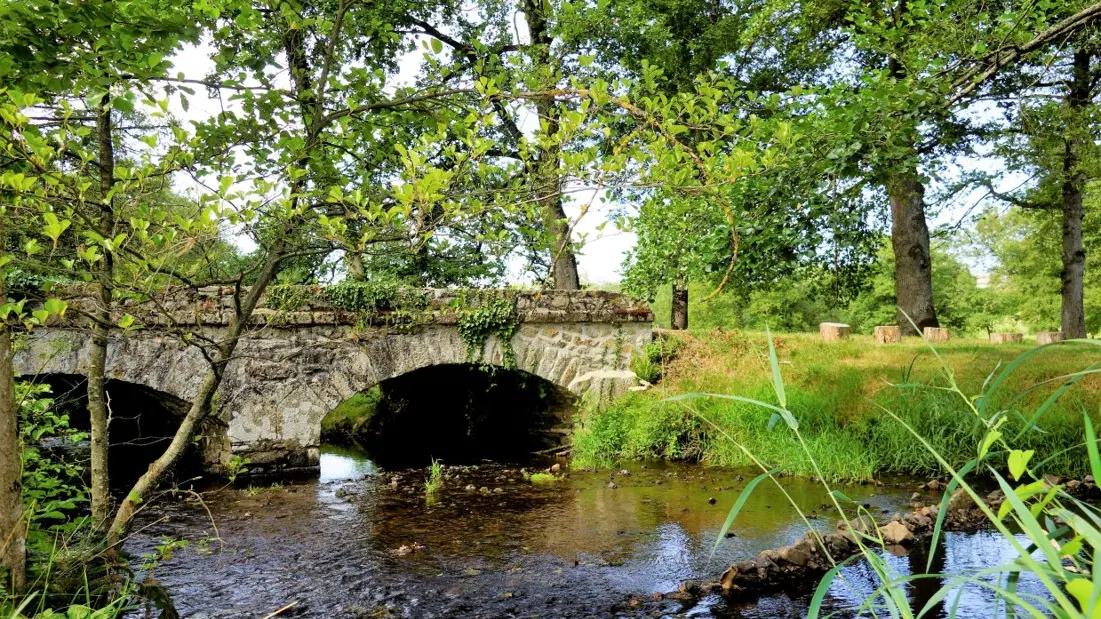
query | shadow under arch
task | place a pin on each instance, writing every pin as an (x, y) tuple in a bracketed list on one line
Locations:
[(141, 425), (460, 413)]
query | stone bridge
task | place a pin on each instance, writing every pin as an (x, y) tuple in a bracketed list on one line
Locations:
[(299, 360)]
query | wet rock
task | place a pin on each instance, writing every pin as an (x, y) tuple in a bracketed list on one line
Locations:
[(793, 555), (1052, 480), (555, 468), (611, 485), (690, 587), (624, 472), (483, 490), (498, 490), (1073, 484), (918, 522), (711, 501), (915, 497), (471, 488), (896, 533), (407, 549), (960, 500), (934, 486)]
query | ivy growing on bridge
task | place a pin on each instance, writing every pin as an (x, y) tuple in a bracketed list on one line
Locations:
[(493, 314), (374, 301)]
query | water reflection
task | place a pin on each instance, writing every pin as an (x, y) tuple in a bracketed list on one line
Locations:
[(344, 464), (580, 547)]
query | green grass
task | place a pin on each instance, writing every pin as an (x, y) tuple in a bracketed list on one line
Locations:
[(543, 478), (1062, 531), (837, 392), (434, 481), (352, 414)]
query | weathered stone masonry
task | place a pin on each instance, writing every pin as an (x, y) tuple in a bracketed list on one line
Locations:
[(292, 368)]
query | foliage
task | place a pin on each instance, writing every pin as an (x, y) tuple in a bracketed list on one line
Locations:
[(489, 315), (651, 363), (371, 300), (542, 478), (1026, 247), (53, 468)]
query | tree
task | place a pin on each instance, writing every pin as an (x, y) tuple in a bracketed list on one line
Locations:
[(1049, 133), (903, 77), (85, 77), (1026, 244), (12, 551)]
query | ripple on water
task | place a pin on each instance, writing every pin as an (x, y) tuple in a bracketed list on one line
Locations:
[(573, 548)]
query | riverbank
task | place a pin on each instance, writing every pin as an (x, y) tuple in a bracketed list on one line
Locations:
[(839, 393)]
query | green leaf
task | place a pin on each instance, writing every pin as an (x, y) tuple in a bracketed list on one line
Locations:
[(1018, 462), (126, 321), (437, 46)]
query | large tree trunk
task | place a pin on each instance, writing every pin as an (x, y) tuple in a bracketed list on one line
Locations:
[(678, 311), (97, 358), (13, 555), (546, 178), (1074, 255), (910, 241)]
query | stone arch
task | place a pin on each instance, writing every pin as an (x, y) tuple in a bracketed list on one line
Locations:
[(162, 364), (161, 368)]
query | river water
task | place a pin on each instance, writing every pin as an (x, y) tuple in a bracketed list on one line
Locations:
[(357, 543)]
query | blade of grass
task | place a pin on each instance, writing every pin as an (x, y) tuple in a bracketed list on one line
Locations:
[(1091, 448), (777, 380), (738, 504)]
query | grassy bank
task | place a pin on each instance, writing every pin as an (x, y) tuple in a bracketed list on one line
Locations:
[(836, 391)]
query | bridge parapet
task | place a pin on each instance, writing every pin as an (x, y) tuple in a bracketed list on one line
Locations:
[(292, 306)]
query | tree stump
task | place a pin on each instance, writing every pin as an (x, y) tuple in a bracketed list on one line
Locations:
[(1005, 338), (889, 334), (936, 334), (833, 331), (1050, 337)]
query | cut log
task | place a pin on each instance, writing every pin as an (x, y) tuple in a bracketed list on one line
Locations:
[(1006, 338), (936, 334), (833, 331), (890, 334), (1050, 337)]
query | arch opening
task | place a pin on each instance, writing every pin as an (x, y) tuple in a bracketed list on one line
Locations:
[(457, 413), (142, 422)]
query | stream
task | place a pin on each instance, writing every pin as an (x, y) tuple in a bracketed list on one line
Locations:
[(359, 543)]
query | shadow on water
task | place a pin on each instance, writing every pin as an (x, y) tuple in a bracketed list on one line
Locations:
[(365, 542)]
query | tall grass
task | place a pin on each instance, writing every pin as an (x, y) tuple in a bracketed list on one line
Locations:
[(1063, 533), (434, 481), (839, 390)]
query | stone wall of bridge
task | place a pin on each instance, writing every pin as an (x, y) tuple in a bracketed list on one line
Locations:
[(293, 367)]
